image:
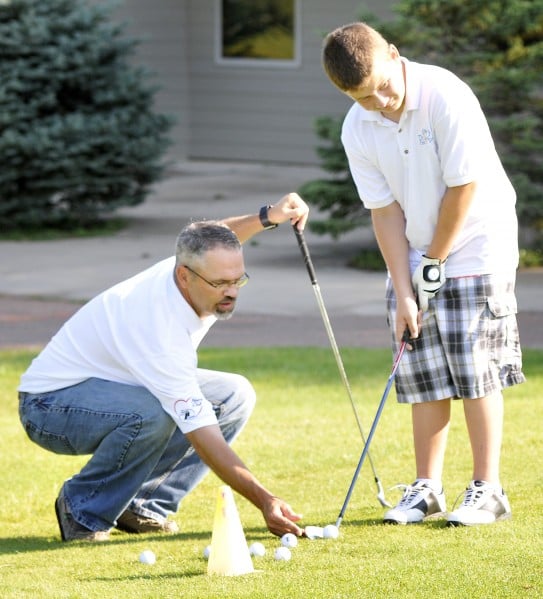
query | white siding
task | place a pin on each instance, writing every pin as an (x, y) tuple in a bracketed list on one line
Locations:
[(238, 113), (162, 28), (262, 114)]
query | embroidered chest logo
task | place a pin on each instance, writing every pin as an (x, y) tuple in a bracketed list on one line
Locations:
[(425, 137)]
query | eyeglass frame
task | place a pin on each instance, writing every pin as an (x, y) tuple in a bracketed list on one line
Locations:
[(241, 282)]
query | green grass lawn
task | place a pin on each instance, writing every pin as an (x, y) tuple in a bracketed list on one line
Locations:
[(303, 443)]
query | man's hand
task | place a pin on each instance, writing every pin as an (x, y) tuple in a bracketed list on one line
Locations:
[(427, 280), (210, 445), (280, 517), (290, 207)]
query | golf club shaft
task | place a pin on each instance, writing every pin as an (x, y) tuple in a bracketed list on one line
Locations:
[(327, 325), (372, 430)]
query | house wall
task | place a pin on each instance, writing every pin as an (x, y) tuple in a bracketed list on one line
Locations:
[(267, 113), (162, 28), (242, 113)]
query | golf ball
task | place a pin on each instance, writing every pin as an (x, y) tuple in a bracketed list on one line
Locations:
[(282, 554), (330, 531), (207, 551), (147, 557), (314, 532), (289, 540), (257, 549)]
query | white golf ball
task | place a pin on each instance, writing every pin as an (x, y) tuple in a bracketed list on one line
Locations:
[(330, 531), (207, 551), (314, 532), (257, 549), (289, 540), (147, 557), (282, 554)]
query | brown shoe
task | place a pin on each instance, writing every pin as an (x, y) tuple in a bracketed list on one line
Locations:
[(71, 530), (134, 523)]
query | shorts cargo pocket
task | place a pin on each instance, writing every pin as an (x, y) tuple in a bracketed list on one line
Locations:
[(502, 305)]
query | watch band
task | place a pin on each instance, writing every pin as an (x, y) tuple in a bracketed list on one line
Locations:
[(263, 216)]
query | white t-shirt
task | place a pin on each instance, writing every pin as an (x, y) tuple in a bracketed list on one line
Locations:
[(140, 332), (442, 140)]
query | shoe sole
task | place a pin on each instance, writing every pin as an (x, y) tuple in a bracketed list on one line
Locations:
[(457, 523), (435, 516), (147, 529), (57, 512)]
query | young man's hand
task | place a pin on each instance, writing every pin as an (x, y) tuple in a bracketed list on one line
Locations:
[(427, 279)]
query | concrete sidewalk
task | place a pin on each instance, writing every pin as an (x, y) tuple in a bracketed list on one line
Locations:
[(42, 283)]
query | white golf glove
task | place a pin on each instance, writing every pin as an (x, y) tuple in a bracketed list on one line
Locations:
[(427, 279)]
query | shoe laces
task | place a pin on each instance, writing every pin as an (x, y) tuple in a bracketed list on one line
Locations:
[(409, 493), (472, 495)]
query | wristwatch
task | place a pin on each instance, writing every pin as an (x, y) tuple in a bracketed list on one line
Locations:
[(263, 216)]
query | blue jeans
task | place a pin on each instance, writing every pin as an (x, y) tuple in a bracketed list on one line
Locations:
[(140, 459)]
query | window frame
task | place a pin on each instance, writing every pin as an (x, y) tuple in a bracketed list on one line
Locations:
[(233, 61)]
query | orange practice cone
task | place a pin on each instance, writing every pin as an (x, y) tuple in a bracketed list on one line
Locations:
[(229, 552)]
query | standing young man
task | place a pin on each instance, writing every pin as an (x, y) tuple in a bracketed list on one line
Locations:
[(120, 381), (443, 211)]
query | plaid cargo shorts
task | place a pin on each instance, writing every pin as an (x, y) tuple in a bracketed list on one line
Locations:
[(469, 343)]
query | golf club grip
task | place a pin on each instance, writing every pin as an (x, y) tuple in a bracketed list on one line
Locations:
[(305, 253)]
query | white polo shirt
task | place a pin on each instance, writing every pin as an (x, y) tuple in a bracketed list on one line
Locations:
[(140, 332), (442, 140)]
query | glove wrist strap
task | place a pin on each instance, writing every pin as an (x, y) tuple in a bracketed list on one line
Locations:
[(436, 261)]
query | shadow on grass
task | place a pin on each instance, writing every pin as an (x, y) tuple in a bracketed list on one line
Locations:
[(31, 544), (162, 576), (436, 523)]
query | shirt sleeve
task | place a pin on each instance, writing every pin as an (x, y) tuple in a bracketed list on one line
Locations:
[(171, 378), (462, 136), (370, 182)]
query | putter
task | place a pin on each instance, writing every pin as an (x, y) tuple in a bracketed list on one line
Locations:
[(313, 277), (365, 451)]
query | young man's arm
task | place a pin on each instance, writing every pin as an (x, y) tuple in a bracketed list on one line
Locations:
[(290, 207), (452, 216), (210, 445), (430, 274), (389, 228)]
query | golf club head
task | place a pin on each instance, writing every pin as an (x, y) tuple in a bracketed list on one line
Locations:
[(381, 494)]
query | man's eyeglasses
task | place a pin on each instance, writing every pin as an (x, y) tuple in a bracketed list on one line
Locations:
[(222, 285)]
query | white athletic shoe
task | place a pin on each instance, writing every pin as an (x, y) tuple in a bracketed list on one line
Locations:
[(483, 504), (419, 501)]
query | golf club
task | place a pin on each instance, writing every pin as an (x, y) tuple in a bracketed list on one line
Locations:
[(365, 451), (313, 277)]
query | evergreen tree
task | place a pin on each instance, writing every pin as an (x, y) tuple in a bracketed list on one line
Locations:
[(497, 47), (336, 196), (78, 135)]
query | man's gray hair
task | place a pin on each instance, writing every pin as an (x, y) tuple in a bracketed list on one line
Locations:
[(197, 238)]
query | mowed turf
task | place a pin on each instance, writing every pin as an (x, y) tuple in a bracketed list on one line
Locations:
[(303, 443)]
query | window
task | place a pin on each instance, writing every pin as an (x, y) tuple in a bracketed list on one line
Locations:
[(258, 32)]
